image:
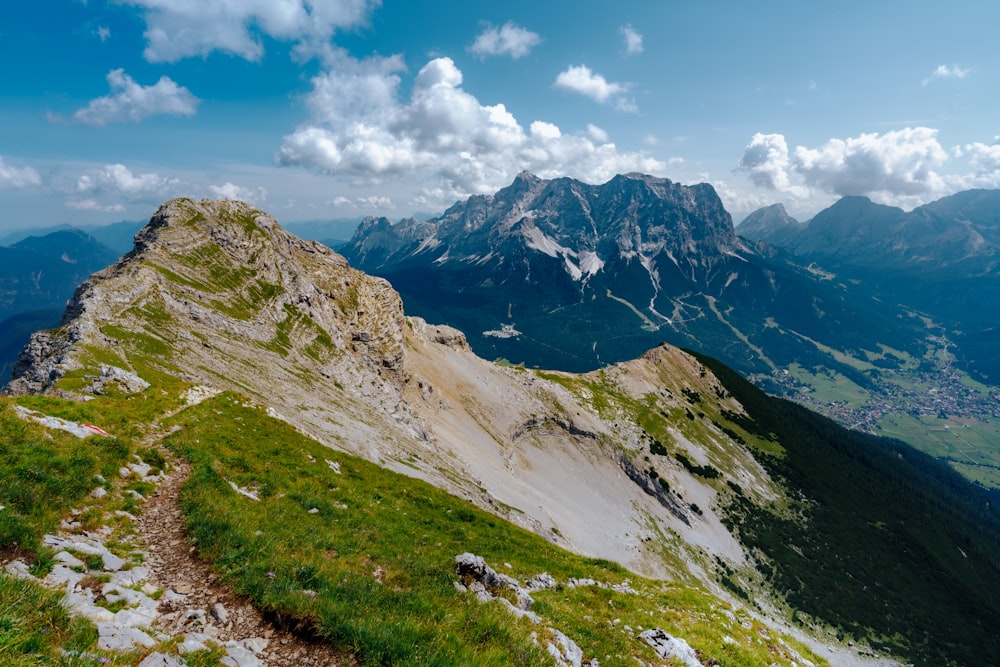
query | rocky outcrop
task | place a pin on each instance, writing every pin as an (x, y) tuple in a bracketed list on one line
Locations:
[(487, 584), (671, 648)]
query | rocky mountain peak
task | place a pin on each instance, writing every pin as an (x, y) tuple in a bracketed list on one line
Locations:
[(227, 272)]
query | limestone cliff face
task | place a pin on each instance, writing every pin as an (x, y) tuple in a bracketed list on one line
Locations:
[(631, 218), (216, 294)]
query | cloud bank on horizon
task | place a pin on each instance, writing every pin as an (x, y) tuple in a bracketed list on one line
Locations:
[(342, 106)]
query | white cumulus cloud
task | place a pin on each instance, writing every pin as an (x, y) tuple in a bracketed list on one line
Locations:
[(766, 161), (117, 179), (905, 168), (900, 166), (596, 133), (370, 202), (984, 157), (946, 72), (901, 162), (237, 192), (132, 102), (177, 29), (580, 79), (509, 39), (441, 135), (633, 40), (17, 177)]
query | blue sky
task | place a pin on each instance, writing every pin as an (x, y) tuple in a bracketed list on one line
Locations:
[(319, 109)]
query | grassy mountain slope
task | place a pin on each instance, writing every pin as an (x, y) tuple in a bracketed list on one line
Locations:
[(645, 463)]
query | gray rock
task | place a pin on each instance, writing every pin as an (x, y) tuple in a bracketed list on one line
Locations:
[(564, 650), (136, 618), (220, 613), (670, 647), (62, 576), (541, 582), (193, 642), (98, 492), (68, 559), (83, 605), (574, 583), (85, 545), (132, 577), (161, 660), (238, 656), (113, 637), (520, 613), (112, 563), (18, 570), (119, 379)]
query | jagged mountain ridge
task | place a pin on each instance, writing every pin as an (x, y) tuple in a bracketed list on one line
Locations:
[(217, 294), (582, 225)]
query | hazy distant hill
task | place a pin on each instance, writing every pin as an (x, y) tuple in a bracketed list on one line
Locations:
[(117, 236), (41, 272), (771, 224), (38, 275), (942, 259)]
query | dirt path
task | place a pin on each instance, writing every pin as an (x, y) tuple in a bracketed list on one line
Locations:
[(193, 590)]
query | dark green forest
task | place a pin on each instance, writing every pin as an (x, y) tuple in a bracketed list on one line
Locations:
[(889, 544)]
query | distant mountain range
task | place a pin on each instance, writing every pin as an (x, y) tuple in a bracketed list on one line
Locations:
[(942, 259), (117, 235)]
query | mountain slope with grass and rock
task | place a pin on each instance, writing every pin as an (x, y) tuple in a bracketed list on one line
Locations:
[(367, 483)]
